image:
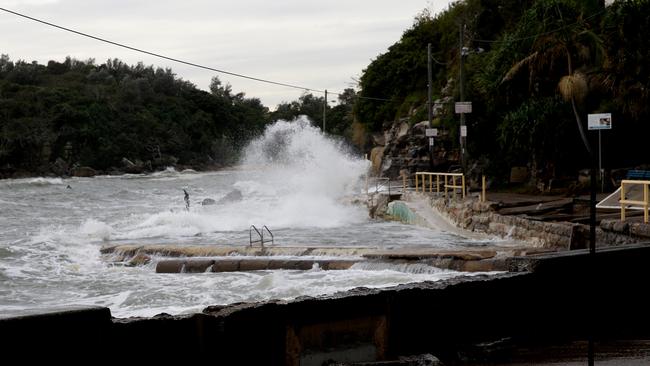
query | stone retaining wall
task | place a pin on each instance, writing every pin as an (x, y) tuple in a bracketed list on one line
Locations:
[(473, 215)]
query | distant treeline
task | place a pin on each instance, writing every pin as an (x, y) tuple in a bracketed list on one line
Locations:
[(56, 116), (531, 68)]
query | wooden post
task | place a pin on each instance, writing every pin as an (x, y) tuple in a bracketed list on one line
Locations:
[(430, 183), (644, 203), (622, 199), (462, 177), (453, 183), (445, 185)]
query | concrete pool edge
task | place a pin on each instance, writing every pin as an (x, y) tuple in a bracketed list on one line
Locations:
[(565, 296)]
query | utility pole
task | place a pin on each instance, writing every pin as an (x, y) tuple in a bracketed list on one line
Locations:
[(462, 94), (430, 81), (429, 97), (325, 111)]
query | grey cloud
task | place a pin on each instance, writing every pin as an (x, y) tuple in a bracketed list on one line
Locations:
[(312, 43)]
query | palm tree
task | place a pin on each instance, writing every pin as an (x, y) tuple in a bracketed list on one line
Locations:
[(571, 47), (582, 51)]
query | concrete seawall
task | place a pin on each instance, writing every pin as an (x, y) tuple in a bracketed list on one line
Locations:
[(209, 258), (560, 297)]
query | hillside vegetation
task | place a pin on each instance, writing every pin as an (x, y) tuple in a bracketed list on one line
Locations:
[(115, 117), (82, 113), (533, 70)]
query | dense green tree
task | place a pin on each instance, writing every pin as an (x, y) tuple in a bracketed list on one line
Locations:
[(90, 114), (559, 59), (522, 57), (339, 117)]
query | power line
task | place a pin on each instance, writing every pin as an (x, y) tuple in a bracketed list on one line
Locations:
[(255, 78), (161, 56), (178, 60)]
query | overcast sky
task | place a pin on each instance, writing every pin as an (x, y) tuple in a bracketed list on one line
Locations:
[(315, 44)]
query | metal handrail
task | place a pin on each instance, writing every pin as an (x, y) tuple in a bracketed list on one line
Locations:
[(269, 231), (260, 234), (250, 236), (447, 184), (378, 185), (646, 198), (378, 182)]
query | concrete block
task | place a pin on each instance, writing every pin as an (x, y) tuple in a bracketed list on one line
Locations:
[(170, 266), (229, 265), (197, 265), (253, 264), (640, 229)]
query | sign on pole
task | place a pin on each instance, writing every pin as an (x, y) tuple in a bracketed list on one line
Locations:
[(463, 107), (431, 132), (599, 121), (463, 131), (430, 141)]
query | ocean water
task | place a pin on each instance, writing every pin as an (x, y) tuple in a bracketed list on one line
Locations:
[(293, 180)]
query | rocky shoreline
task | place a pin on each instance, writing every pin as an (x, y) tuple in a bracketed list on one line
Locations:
[(61, 169)]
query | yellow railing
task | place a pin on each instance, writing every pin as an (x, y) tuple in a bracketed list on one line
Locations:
[(449, 182), (644, 203)]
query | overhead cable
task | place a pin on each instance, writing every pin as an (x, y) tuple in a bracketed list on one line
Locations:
[(162, 56)]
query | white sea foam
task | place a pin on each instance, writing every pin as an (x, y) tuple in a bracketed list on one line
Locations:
[(45, 181), (299, 180), (292, 179), (416, 268), (40, 181), (96, 229), (305, 176)]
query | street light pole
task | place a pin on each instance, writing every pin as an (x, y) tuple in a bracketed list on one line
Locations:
[(429, 102), (325, 111), (430, 81)]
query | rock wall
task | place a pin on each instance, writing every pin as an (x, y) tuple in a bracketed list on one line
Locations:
[(473, 215), (406, 148)]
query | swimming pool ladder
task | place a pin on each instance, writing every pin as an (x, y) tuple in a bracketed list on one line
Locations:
[(260, 234)]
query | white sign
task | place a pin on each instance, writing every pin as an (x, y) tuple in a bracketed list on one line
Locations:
[(599, 121), (463, 107), (463, 131), (431, 132), (430, 141)]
